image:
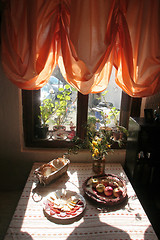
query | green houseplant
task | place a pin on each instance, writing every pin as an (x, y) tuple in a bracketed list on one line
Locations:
[(61, 106), (119, 133), (55, 111), (46, 111)]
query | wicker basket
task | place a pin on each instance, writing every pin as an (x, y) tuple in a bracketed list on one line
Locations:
[(49, 172)]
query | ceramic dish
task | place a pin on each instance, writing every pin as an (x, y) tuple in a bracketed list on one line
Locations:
[(63, 204)]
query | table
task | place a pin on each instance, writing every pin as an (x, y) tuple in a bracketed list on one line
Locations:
[(126, 222)]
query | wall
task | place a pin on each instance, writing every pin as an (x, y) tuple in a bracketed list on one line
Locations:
[(150, 102)]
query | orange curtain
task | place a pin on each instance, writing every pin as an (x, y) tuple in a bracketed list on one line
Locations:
[(139, 74), (30, 41), (87, 54), (86, 38)]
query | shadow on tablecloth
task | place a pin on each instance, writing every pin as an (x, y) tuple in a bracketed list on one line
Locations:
[(97, 230), (148, 235)]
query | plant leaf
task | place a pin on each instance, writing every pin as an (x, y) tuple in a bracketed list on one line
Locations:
[(61, 89)]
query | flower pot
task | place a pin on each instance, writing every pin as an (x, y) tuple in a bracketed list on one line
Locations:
[(99, 165), (42, 132), (117, 135), (60, 127)]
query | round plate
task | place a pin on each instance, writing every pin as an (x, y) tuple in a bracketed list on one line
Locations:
[(63, 204), (110, 179)]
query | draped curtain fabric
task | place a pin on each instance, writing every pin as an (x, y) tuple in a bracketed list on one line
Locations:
[(140, 76), (86, 38)]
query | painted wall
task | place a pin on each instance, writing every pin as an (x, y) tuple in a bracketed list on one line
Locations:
[(150, 102)]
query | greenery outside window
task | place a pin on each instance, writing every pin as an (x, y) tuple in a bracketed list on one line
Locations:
[(57, 105)]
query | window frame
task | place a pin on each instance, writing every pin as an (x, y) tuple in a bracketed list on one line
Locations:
[(31, 103)]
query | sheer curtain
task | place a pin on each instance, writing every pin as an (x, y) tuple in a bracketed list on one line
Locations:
[(139, 75), (85, 38)]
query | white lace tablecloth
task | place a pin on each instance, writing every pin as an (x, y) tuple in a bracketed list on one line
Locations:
[(128, 222)]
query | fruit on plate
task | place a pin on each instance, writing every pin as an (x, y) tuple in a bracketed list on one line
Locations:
[(95, 182), (105, 182), (113, 184), (108, 191), (117, 192), (100, 187), (111, 189)]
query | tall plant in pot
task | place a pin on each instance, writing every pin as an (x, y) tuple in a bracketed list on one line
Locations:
[(119, 133), (55, 111), (46, 110), (61, 107)]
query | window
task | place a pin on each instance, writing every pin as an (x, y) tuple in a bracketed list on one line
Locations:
[(67, 108), (101, 104), (58, 108)]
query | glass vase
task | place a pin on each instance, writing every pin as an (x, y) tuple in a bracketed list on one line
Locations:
[(99, 165)]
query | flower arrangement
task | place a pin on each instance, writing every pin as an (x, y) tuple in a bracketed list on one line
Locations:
[(100, 144)]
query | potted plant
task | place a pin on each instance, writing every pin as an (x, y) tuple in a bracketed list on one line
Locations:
[(119, 133), (46, 111), (99, 142), (61, 107), (55, 111), (91, 123), (99, 145)]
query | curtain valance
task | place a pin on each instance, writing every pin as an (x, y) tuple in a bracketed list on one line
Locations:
[(86, 38)]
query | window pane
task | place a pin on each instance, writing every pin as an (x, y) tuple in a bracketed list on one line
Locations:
[(103, 105), (59, 107)]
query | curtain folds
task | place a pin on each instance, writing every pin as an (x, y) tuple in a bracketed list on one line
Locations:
[(86, 38), (30, 41), (139, 75)]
